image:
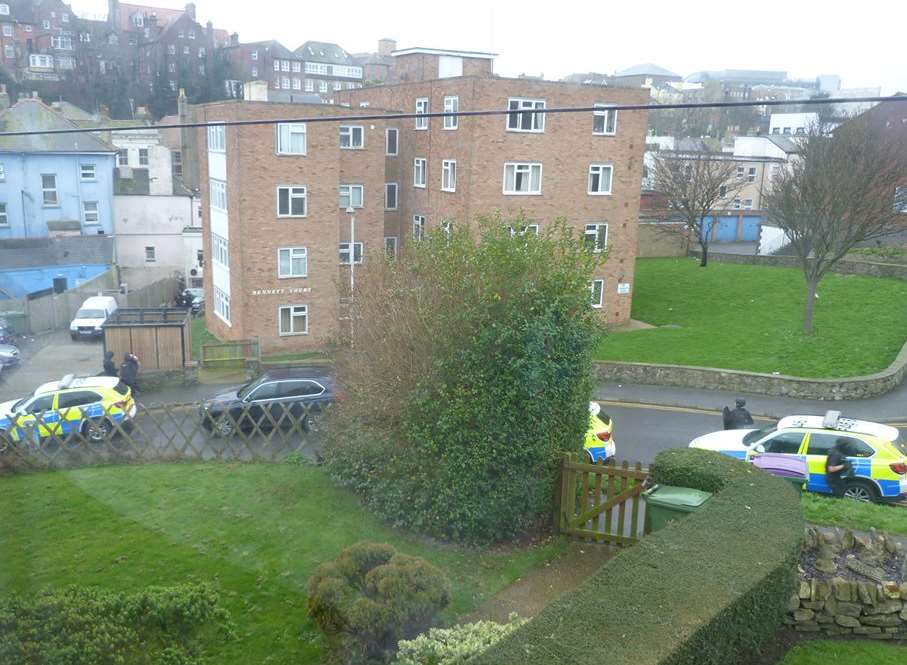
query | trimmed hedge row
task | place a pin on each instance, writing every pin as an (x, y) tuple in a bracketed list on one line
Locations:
[(703, 591)]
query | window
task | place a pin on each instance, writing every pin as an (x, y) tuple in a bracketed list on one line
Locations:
[(49, 189), (292, 262), (218, 191), (171, 67), (309, 85), (45, 24), (201, 52), (751, 174), (821, 443), (390, 247), (113, 40), (451, 105), (78, 398), (7, 30), (722, 190), (222, 304), (4, 9), (255, 55), (448, 175), (9, 51), (391, 136), (143, 156), (297, 66), (123, 157), (291, 201), (217, 138), (316, 68), (277, 65), (297, 84), (447, 227), (220, 248), (786, 130), (173, 85), (528, 229), (421, 108), (40, 61), (337, 85), (741, 172), (284, 65), (64, 18), (61, 42), (285, 82), (419, 166), (90, 213), (351, 137), (600, 179), (351, 195), (784, 442), (87, 171), (85, 37), (186, 50), (597, 291), (149, 255), (291, 138), (390, 196), (604, 120), (192, 34), (294, 320), (65, 62), (521, 117), (176, 161), (4, 220), (2, 172), (322, 86), (40, 404), (300, 388), (522, 178), (345, 253), (255, 72), (900, 199), (596, 237), (743, 204), (418, 227)]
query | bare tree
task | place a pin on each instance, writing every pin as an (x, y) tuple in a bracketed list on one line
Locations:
[(695, 184), (843, 190)]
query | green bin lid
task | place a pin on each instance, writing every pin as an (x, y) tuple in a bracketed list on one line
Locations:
[(668, 495)]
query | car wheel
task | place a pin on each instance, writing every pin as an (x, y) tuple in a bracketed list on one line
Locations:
[(861, 491), (97, 431), (224, 426)]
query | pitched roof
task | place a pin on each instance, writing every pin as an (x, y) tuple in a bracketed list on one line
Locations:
[(783, 143), (647, 69), (31, 114), (164, 15), (22, 11), (324, 52)]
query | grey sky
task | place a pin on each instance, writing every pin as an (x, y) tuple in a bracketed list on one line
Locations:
[(863, 43)]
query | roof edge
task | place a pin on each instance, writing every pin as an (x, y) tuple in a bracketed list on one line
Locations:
[(440, 51)]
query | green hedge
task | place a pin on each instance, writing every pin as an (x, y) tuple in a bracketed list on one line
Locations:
[(702, 591)]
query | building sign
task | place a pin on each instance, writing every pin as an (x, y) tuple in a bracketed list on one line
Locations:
[(623, 288), (280, 292)]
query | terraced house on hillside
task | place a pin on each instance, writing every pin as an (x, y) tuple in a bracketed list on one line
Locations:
[(275, 221)]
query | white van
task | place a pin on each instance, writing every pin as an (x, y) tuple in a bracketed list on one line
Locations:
[(91, 316)]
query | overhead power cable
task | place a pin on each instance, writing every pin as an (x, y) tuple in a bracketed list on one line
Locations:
[(458, 114)]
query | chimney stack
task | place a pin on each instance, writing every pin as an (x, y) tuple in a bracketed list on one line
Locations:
[(190, 9), (386, 46), (234, 39)]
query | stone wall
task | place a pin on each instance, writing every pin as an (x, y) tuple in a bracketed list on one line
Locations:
[(844, 267)]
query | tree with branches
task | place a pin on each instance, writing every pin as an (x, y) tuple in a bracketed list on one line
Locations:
[(695, 184), (844, 189)]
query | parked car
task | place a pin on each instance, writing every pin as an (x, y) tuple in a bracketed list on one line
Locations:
[(599, 443), (198, 300), (283, 396), (91, 316), (879, 460), (89, 406), (9, 355)]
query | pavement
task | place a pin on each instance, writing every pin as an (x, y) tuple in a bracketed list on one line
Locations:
[(48, 357), (745, 248)]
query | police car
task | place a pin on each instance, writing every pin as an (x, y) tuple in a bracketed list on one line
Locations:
[(599, 442), (89, 406), (879, 460)]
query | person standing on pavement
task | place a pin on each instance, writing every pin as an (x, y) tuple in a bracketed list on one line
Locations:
[(836, 466), (739, 418), (110, 367), (129, 371)]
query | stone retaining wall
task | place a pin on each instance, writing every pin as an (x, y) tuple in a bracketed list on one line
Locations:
[(843, 607), (843, 267)]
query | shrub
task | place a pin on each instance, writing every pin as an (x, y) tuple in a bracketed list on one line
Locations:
[(706, 590), (454, 646), (90, 626), (469, 372), (370, 597)]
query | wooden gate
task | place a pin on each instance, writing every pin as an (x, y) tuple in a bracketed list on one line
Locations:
[(602, 501)]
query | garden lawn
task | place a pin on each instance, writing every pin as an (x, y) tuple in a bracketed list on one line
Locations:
[(854, 514), (751, 318), (200, 336), (257, 531), (850, 652)]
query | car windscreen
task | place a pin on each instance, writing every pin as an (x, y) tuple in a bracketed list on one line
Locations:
[(246, 389), (91, 314), (757, 434)]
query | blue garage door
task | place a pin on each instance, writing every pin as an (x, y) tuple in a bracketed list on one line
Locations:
[(727, 229), (751, 228)]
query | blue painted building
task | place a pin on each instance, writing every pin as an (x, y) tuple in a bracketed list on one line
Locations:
[(52, 184)]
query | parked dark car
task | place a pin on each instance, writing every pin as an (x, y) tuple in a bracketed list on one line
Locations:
[(283, 397)]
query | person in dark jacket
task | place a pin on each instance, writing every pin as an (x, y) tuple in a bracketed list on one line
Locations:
[(110, 367), (739, 418), (837, 467), (129, 370)]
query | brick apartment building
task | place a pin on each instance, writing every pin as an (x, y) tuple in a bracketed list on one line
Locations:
[(409, 175)]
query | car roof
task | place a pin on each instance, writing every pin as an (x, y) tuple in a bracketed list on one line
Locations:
[(98, 300), (69, 382), (842, 425)]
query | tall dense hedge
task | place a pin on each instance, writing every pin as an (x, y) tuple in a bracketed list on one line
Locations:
[(705, 590), (469, 371)]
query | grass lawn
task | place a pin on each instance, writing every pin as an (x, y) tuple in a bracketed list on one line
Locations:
[(255, 530), (200, 336), (854, 514), (840, 652), (750, 318)]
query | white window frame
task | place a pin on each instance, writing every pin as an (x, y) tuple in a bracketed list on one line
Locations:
[(451, 105), (4, 219), (222, 305), (525, 105), (420, 166), (285, 82), (88, 172), (286, 131), (344, 253), (593, 231), (217, 138), (220, 250), (349, 131), (448, 175), (418, 227), (528, 228), (217, 190), (601, 169), (297, 67), (349, 194), (387, 133), (609, 113), (389, 242), (601, 293), (751, 174), (53, 191), (309, 85), (294, 193), (144, 157), (121, 153), (396, 188), (4, 9), (294, 313), (255, 55), (447, 226), (518, 167), (91, 217), (421, 108), (322, 86), (7, 29), (293, 254), (150, 257)]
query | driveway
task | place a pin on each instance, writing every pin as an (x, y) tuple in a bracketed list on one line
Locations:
[(48, 358)]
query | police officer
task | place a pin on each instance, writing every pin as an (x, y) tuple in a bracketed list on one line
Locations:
[(739, 418), (837, 467)]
